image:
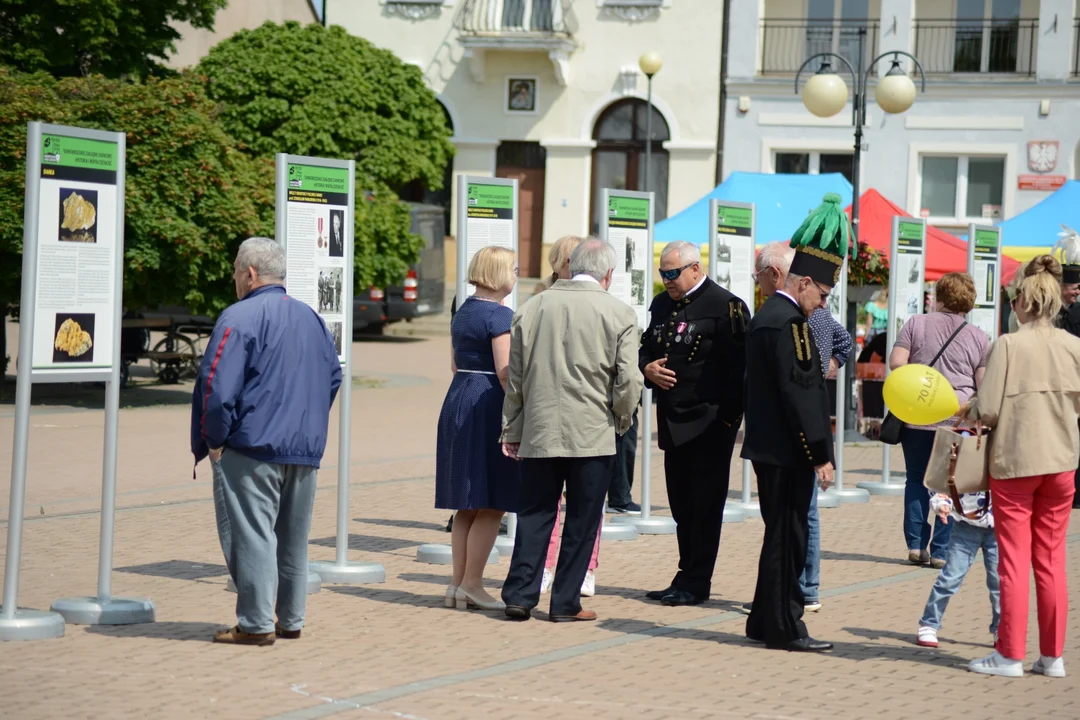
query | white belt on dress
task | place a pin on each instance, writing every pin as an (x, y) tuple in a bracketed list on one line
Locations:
[(476, 372)]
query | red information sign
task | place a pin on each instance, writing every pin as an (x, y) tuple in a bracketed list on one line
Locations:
[(1040, 182)]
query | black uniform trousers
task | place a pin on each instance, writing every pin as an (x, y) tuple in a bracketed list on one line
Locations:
[(784, 495), (625, 456), (697, 487), (1076, 482), (587, 481)]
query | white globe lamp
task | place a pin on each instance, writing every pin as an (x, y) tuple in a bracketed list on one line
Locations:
[(895, 92), (825, 93), (650, 63)]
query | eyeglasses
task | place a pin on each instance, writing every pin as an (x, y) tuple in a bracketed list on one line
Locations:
[(824, 293), (756, 274), (670, 275)]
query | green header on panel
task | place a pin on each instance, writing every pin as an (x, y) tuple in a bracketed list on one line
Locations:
[(495, 197), (321, 179), (628, 212), (734, 220), (65, 151), (910, 234), (986, 241)]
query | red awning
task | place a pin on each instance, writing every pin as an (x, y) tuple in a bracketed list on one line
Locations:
[(944, 252)]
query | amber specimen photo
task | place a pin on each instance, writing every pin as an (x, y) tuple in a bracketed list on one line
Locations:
[(73, 338), (78, 215)]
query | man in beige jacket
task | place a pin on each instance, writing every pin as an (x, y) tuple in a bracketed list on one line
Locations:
[(573, 384)]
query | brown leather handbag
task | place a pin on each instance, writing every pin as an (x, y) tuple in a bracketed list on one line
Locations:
[(959, 464)]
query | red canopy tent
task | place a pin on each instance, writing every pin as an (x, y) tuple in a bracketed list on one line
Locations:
[(944, 252)]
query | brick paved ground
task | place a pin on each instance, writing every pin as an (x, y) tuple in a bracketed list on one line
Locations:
[(392, 650)]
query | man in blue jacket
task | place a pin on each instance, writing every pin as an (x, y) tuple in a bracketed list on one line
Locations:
[(260, 411)]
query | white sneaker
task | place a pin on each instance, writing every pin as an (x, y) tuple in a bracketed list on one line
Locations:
[(545, 584), (998, 664), (812, 606), (588, 588), (927, 637), (1049, 666)]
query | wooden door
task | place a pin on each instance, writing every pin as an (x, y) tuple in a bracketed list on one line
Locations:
[(526, 165)]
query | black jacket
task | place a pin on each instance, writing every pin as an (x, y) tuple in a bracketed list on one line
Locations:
[(788, 420), (703, 336)]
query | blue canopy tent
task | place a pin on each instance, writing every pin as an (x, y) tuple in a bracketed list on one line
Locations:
[(1035, 231), (782, 203)]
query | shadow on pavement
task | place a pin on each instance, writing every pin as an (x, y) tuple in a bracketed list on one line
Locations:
[(178, 569), (190, 631), (410, 524), (91, 396), (845, 650), (393, 597), (369, 543), (390, 339), (909, 638), (861, 557)]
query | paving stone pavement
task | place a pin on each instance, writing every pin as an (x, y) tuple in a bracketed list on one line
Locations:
[(393, 651)]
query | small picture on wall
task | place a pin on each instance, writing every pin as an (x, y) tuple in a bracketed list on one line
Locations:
[(521, 95)]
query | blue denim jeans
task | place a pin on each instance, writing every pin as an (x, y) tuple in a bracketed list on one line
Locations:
[(263, 516), (964, 544), (917, 445), (810, 579)]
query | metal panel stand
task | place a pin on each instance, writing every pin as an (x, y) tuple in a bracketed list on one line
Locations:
[(646, 523), (439, 554), (890, 485), (749, 507), (504, 544)]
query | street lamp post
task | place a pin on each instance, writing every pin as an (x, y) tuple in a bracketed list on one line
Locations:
[(825, 94), (650, 64)]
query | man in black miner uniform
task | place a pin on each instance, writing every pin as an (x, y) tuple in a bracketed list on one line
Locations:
[(1070, 320), (788, 429), (693, 356)]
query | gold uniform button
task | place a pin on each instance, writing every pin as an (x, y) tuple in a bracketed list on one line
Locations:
[(674, 314), (668, 345)]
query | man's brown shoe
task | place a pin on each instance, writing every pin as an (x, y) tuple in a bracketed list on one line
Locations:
[(286, 634), (583, 616), (236, 636)]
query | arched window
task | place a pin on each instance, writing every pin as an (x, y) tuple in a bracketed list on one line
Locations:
[(618, 162)]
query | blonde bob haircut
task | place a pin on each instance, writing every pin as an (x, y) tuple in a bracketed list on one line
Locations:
[(1040, 290), (492, 268), (559, 257)]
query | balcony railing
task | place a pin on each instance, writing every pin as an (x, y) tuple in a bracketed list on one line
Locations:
[(785, 44), (977, 46), (512, 17)]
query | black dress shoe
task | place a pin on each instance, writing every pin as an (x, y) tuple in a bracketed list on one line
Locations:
[(681, 597), (806, 644), (517, 612), (660, 594)]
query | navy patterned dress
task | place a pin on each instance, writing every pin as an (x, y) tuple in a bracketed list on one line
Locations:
[(471, 472)]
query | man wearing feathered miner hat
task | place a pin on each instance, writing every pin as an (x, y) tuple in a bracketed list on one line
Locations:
[(788, 428)]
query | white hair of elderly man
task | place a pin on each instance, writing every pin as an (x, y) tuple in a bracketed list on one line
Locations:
[(776, 254), (263, 254), (593, 257), (687, 252)]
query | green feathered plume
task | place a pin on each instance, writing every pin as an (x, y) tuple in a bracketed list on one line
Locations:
[(827, 228)]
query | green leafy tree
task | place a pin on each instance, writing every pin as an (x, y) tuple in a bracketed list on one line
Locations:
[(107, 37), (191, 195), (321, 91)]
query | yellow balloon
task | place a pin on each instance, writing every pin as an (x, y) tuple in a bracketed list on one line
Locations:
[(920, 395)]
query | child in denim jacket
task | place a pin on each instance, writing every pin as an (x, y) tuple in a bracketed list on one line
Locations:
[(973, 529)]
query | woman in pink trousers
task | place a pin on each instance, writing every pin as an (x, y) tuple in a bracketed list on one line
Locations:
[(1030, 396)]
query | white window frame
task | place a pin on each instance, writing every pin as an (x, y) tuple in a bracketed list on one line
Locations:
[(963, 152), (769, 148)]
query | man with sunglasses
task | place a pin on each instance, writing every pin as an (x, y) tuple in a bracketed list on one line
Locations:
[(693, 356), (788, 427)]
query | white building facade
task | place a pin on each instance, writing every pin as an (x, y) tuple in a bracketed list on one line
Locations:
[(549, 92), (996, 130)]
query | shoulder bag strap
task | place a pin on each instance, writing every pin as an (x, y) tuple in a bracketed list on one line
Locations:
[(947, 343)]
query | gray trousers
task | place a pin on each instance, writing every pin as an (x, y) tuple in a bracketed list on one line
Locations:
[(263, 516)]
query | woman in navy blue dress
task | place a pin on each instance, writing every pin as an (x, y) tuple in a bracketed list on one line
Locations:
[(472, 476)]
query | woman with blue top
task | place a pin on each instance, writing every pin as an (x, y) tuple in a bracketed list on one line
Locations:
[(472, 476), (877, 315)]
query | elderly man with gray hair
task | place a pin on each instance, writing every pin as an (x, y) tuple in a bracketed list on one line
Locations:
[(260, 411), (573, 385), (693, 356)]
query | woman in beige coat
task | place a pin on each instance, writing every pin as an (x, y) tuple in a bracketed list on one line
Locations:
[(1030, 396)]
